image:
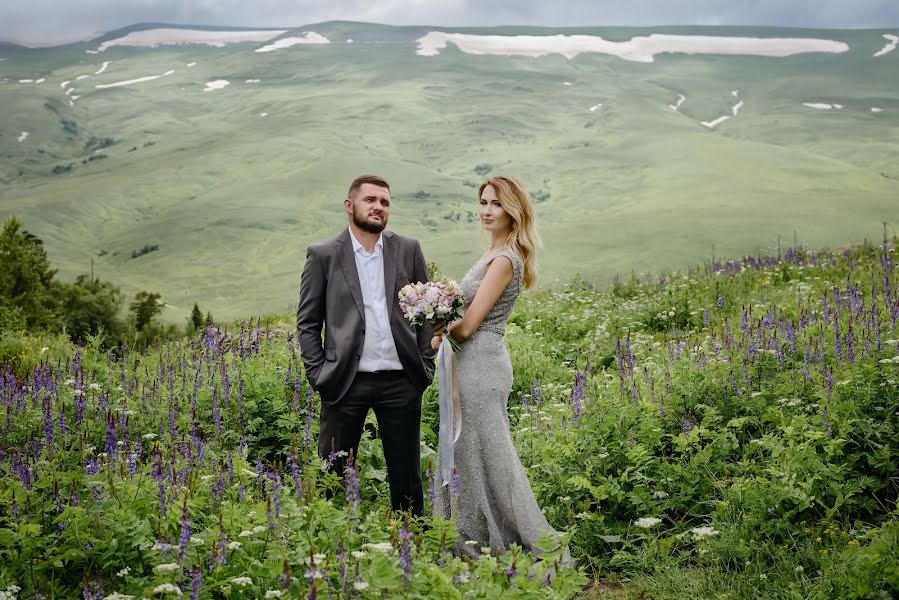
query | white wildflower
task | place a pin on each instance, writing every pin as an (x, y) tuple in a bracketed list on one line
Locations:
[(259, 529), (118, 596), (166, 568), (358, 554), (659, 495), (380, 546), (485, 550), (124, 572), (245, 534), (72, 381), (342, 453), (196, 541), (249, 472), (44, 349), (647, 522), (167, 588), (471, 542), (95, 386), (274, 594), (242, 581), (603, 455), (799, 569), (149, 436), (703, 532), (233, 545), (360, 586)]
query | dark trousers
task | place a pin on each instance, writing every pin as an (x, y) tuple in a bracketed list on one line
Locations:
[(397, 406)]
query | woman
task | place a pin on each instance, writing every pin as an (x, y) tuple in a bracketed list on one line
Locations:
[(496, 506)]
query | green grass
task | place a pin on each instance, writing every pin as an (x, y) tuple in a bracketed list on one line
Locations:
[(233, 198)]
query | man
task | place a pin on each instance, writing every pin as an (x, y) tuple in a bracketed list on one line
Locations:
[(371, 356)]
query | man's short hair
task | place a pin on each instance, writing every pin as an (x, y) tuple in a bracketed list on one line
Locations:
[(362, 179)]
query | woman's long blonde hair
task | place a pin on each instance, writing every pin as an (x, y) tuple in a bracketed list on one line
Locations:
[(523, 239)]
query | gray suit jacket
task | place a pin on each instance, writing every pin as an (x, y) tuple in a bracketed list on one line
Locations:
[(330, 296)]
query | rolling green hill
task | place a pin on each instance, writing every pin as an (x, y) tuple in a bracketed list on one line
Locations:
[(232, 197)]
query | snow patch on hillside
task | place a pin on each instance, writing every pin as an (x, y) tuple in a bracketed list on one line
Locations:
[(680, 100), (875, 109), (102, 68), (716, 122), (132, 81), (216, 85), (822, 105), (151, 38), (892, 40), (23, 136), (308, 37), (638, 49)]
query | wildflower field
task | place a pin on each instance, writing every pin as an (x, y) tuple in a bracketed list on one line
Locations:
[(731, 431)]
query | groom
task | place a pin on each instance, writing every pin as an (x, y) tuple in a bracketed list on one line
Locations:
[(371, 356)]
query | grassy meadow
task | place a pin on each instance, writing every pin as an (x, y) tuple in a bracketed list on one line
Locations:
[(233, 198), (728, 431)]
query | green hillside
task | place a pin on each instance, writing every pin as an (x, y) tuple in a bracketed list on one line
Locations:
[(232, 198)]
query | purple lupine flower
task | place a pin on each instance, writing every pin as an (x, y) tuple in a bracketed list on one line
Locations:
[(511, 571), (48, 421), (185, 531), (196, 582), (351, 477), (310, 413), (686, 425), (406, 554), (223, 543), (285, 576), (111, 446), (850, 349), (216, 413), (62, 419), (294, 464), (455, 484), (524, 402), (92, 467), (706, 318), (838, 342), (276, 491)]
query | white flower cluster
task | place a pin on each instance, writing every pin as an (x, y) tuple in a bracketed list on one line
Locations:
[(166, 568), (10, 592), (167, 588), (647, 522)]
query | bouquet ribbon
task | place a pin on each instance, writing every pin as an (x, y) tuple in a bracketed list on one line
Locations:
[(450, 409)]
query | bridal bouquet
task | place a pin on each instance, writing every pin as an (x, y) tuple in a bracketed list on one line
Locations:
[(432, 302)]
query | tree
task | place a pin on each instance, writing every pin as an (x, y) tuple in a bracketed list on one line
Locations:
[(146, 305), (196, 317), (90, 307), (26, 279)]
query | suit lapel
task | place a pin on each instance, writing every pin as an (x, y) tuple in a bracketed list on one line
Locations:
[(348, 266), (390, 258)]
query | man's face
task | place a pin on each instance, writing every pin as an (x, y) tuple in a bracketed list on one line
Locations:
[(369, 207)]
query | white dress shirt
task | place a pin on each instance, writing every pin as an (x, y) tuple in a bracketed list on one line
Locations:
[(378, 349)]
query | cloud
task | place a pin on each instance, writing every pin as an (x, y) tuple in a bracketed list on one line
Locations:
[(59, 21)]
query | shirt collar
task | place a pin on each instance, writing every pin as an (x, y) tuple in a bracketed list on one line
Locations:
[(359, 247)]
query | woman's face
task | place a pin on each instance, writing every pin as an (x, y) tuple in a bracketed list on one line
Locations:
[(493, 217)]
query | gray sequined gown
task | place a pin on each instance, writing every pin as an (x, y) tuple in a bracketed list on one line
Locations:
[(496, 506)]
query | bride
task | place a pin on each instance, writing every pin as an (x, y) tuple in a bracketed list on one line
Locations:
[(495, 506)]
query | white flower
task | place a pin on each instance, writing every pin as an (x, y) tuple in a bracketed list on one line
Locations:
[(166, 568), (647, 522), (703, 532), (44, 349), (358, 554), (471, 542), (245, 534), (76, 392), (360, 586), (167, 588), (799, 569), (72, 381), (659, 495), (342, 453), (196, 541), (242, 581), (149, 436), (259, 529), (380, 546), (95, 386), (274, 594), (124, 572), (249, 472), (118, 596), (485, 550), (603, 455), (234, 545)]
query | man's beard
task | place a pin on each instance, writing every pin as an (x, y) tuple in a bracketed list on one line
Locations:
[(367, 226)]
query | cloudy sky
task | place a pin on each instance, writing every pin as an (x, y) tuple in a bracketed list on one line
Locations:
[(57, 21)]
